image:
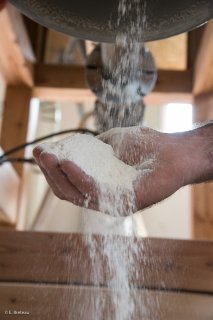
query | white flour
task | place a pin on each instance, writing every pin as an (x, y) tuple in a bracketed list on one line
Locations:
[(95, 158), (114, 179)]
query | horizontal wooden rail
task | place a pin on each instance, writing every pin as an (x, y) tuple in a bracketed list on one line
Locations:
[(65, 259), (69, 302), (68, 83)]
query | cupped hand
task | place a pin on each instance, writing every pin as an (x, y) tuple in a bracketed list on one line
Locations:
[(157, 158), (67, 181)]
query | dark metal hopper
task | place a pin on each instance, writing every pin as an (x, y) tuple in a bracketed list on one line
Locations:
[(97, 20)]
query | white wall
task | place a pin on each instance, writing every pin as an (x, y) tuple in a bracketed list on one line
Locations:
[(170, 218)]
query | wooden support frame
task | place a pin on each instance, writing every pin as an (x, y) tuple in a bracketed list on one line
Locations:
[(52, 274), (68, 83), (16, 66), (15, 120), (202, 201), (203, 75), (58, 302), (202, 204), (61, 83), (157, 262), (16, 55)]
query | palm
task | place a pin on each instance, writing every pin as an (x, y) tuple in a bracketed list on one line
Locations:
[(154, 155)]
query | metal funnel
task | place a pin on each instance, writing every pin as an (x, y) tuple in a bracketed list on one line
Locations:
[(98, 20)]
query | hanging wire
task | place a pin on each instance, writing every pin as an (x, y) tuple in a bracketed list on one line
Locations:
[(4, 157)]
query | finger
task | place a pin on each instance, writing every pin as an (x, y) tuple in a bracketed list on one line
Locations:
[(84, 183), (52, 185), (58, 181), (77, 200), (86, 203), (36, 153)]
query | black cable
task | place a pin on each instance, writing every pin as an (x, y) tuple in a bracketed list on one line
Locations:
[(18, 160), (24, 145)]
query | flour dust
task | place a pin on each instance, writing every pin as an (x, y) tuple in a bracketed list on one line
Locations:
[(110, 173), (121, 91)]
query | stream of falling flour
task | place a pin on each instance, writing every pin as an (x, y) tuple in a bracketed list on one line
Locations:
[(117, 254)]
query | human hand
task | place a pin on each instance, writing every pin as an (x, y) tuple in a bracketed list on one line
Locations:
[(158, 157), (163, 162)]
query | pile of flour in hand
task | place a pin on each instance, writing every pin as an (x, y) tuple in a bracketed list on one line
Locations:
[(114, 178)]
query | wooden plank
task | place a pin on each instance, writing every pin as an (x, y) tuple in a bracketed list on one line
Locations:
[(85, 95), (9, 194), (16, 55), (69, 83), (61, 83), (63, 95), (62, 302), (194, 42), (174, 81), (203, 77), (202, 220), (202, 200), (60, 76), (202, 215), (65, 259), (38, 38), (163, 98), (15, 119)]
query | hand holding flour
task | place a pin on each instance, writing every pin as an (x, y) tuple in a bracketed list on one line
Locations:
[(142, 168)]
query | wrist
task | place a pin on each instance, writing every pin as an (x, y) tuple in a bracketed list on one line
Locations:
[(197, 155)]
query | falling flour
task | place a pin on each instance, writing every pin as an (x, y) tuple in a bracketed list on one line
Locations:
[(113, 178)]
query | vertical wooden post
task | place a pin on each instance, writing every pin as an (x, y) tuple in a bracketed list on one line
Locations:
[(202, 194), (15, 120)]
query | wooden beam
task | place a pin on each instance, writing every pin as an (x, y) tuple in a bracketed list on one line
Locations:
[(15, 120), (171, 86), (61, 83), (16, 56), (38, 38), (203, 75), (60, 301), (202, 204), (63, 94), (202, 200), (176, 82), (202, 220), (194, 42), (9, 194), (53, 258), (160, 98), (60, 76)]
